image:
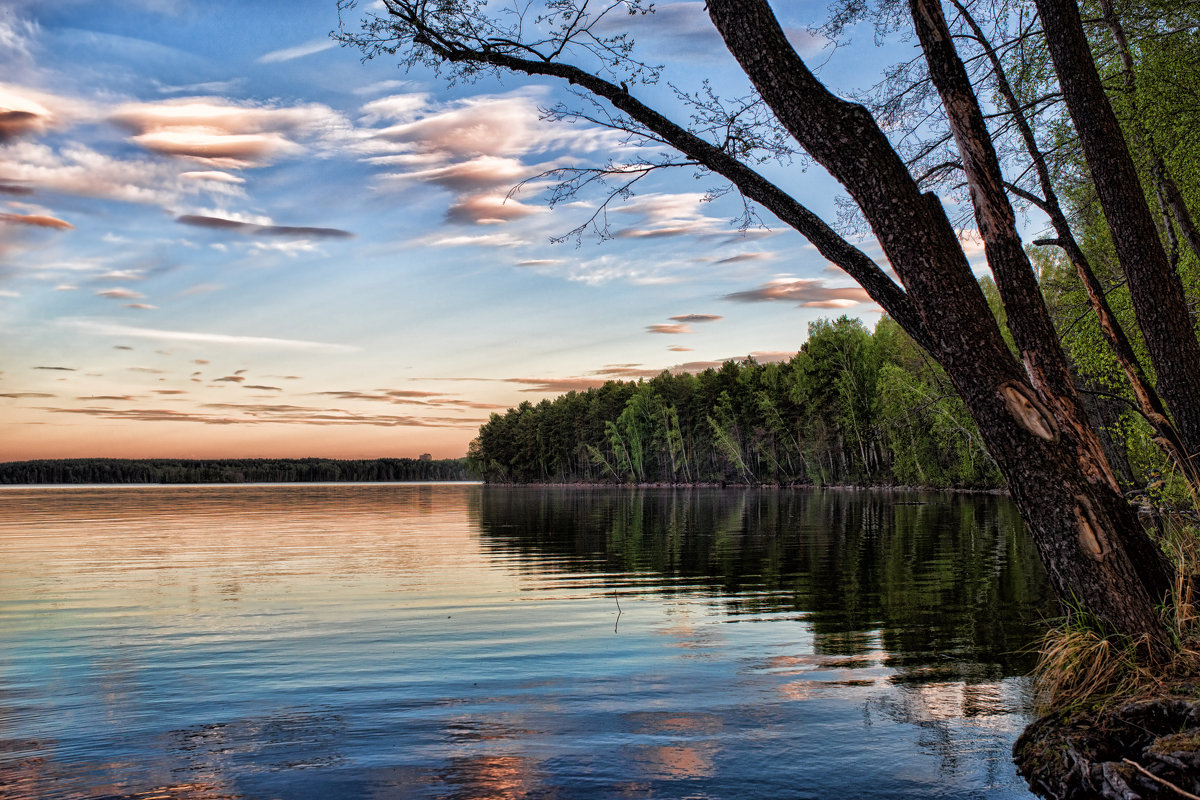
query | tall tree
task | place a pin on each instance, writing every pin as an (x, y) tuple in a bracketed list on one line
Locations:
[(1096, 552)]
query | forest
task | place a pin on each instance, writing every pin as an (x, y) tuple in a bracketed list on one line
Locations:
[(852, 407), (242, 470)]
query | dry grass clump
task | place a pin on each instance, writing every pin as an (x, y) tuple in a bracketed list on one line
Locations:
[(1080, 665)]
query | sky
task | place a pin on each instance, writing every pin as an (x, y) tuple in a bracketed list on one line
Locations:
[(224, 235)]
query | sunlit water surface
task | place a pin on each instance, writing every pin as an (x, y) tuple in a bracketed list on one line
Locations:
[(458, 641)]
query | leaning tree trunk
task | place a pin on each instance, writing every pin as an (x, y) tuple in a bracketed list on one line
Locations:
[(1157, 293), (1095, 552)]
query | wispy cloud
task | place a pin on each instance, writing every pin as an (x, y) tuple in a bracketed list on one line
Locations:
[(697, 317), (259, 414), (804, 292), (37, 220), (119, 293), (669, 328), (741, 257), (225, 134), (296, 51), (253, 229), (196, 337)]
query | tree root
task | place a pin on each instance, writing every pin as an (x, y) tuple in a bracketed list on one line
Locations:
[(1142, 750)]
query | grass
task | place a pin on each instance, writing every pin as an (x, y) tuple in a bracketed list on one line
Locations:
[(1081, 666)]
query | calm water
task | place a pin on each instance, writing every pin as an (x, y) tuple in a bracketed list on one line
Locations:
[(458, 641)]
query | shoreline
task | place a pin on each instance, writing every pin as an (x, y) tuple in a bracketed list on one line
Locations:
[(842, 487)]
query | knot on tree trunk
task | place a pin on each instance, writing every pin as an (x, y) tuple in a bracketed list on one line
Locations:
[(1029, 411)]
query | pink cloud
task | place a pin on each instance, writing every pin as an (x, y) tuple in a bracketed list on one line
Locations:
[(219, 132), (668, 328), (488, 209), (38, 220), (805, 292), (120, 293)]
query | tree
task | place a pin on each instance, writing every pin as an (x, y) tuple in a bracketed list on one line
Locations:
[(1026, 410)]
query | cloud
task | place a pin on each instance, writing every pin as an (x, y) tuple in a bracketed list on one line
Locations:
[(666, 215), (697, 317), (382, 86), (8, 188), (684, 30), (488, 209), (120, 294), (81, 171), (121, 275), (540, 262), (252, 229), (804, 292), (556, 385), (679, 349), (114, 329), (141, 306), (297, 51), (21, 395), (485, 125), (263, 388), (463, 240), (230, 379), (204, 87), (224, 134), (740, 257), (37, 220), (212, 175), (25, 111), (663, 327), (398, 396), (59, 369), (470, 175), (170, 391)]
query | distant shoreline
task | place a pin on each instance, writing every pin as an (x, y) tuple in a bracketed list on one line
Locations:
[(163, 471), (846, 487)]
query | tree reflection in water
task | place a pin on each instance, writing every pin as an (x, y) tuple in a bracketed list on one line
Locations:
[(946, 587)]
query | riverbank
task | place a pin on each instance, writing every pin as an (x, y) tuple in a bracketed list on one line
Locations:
[(845, 487), (1146, 748)]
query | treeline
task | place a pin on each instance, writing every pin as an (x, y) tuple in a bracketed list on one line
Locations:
[(243, 470), (851, 407)]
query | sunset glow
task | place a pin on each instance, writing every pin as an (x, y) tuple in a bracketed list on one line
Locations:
[(222, 235)]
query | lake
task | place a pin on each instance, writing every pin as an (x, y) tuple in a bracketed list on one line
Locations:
[(466, 641)]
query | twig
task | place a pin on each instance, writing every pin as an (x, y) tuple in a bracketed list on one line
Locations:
[(1163, 781), (618, 620)]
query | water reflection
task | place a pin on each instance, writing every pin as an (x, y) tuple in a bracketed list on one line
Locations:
[(458, 643), (946, 587)]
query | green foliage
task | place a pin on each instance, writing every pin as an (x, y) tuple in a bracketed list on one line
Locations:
[(852, 407)]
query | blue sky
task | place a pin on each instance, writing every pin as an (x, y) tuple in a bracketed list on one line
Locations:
[(223, 235)]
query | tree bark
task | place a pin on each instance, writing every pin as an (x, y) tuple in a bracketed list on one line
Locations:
[(1095, 551), (1147, 398), (1155, 288)]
